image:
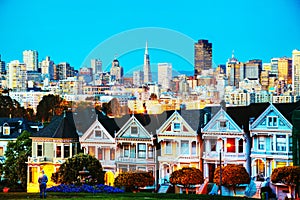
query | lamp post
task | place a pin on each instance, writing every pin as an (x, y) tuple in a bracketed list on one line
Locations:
[(220, 163)]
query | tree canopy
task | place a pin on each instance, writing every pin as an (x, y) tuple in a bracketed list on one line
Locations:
[(289, 175), (69, 171), (232, 176), (134, 180), (15, 167), (187, 176)]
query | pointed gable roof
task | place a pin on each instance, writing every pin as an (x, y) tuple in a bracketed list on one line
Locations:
[(60, 127), (260, 122), (167, 128), (125, 132), (89, 137), (214, 124)]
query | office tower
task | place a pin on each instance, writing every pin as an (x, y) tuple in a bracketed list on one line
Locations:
[(164, 75), (17, 76), (2, 66), (138, 78), (96, 65), (63, 70), (47, 68), (202, 56), (147, 68), (234, 69), (30, 59), (116, 72), (285, 70), (296, 72), (252, 69), (274, 66)]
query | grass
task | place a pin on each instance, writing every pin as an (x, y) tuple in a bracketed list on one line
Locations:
[(121, 196)]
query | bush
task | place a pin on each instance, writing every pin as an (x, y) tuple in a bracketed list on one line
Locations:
[(99, 188), (134, 180)]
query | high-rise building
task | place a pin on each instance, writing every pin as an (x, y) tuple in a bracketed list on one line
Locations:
[(47, 68), (63, 70), (234, 69), (164, 75), (138, 78), (116, 72), (202, 56), (285, 70), (17, 76), (296, 72), (274, 66), (30, 59), (96, 65), (147, 68), (252, 69), (2, 66)]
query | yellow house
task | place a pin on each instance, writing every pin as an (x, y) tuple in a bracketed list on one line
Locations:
[(51, 146)]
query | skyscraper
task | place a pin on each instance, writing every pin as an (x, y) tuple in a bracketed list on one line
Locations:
[(17, 76), (285, 70), (30, 59), (2, 66), (116, 72), (96, 65), (147, 69), (138, 78), (164, 75), (202, 56), (296, 72)]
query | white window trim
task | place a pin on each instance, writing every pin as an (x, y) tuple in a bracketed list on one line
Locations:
[(166, 148), (37, 152), (176, 129)]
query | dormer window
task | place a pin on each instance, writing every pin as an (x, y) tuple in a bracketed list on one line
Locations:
[(134, 130), (223, 124), (272, 121), (6, 129), (98, 133), (176, 126)]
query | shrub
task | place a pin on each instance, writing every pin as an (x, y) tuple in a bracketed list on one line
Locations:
[(134, 180)]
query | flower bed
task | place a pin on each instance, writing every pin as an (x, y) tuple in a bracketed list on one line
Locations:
[(100, 188)]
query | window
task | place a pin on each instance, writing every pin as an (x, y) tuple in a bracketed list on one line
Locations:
[(132, 168), (112, 154), (142, 169), (176, 126), (223, 124), (272, 121), (98, 133), (150, 151), (66, 151), (100, 153), (6, 129), (132, 151), (123, 168), (213, 143), (134, 130), (58, 151), (168, 147), (126, 151), (261, 143), (241, 146), (39, 150), (290, 144), (280, 143), (184, 148), (142, 150), (194, 148), (91, 150), (1, 151), (230, 145)]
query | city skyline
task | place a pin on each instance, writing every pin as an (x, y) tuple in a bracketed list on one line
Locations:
[(71, 36)]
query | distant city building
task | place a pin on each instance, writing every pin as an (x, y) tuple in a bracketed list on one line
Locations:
[(164, 75), (34, 79), (274, 66), (147, 67), (285, 70), (96, 65), (234, 71), (296, 72), (63, 70), (202, 56), (252, 69), (47, 68), (116, 72), (138, 78), (30, 59), (2, 66), (17, 76), (71, 85), (86, 74)]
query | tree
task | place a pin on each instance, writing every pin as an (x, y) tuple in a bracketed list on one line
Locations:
[(134, 180), (232, 176), (289, 175), (12, 108), (17, 153), (68, 172), (187, 177)]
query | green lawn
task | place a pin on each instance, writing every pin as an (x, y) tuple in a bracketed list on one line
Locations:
[(122, 196)]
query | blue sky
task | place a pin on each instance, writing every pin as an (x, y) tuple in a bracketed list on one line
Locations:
[(70, 30)]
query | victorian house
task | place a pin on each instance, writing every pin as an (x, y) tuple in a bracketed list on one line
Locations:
[(224, 142), (271, 135), (51, 146), (178, 143)]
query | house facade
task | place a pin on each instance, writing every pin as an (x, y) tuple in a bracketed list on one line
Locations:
[(50, 148), (98, 142), (179, 146), (224, 143), (271, 135)]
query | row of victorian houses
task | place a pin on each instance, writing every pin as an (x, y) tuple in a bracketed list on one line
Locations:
[(258, 136)]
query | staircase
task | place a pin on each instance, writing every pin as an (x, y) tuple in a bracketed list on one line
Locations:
[(163, 189)]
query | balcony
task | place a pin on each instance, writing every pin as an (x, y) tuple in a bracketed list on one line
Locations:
[(37, 159), (180, 158), (213, 155), (134, 160)]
